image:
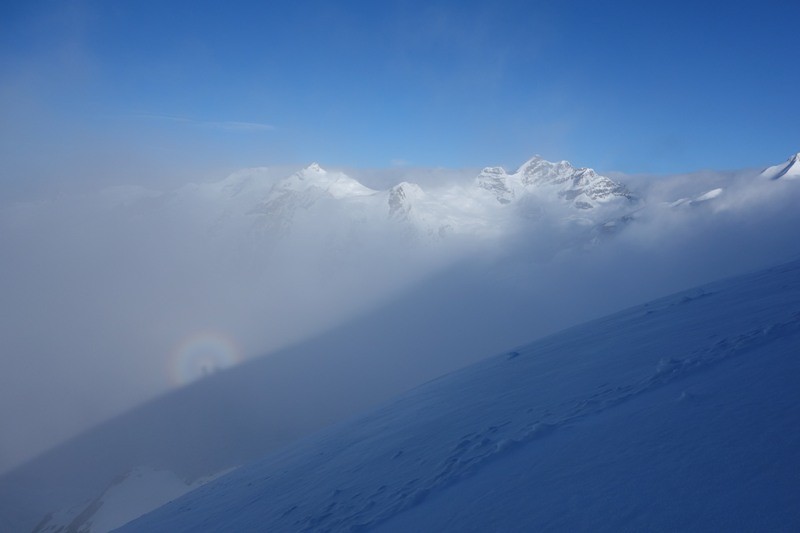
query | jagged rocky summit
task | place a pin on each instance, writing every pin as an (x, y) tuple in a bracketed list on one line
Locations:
[(582, 187)]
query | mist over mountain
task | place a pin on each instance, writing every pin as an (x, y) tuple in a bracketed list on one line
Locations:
[(255, 310)]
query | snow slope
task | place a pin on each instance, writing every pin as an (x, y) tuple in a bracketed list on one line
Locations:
[(679, 414), (787, 170), (129, 496)]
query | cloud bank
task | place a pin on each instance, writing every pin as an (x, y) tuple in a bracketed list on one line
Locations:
[(104, 291)]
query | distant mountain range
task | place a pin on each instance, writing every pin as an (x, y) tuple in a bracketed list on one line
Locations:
[(493, 204), (483, 207), (496, 202)]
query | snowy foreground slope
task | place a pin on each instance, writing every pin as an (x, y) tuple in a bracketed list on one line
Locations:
[(680, 414)]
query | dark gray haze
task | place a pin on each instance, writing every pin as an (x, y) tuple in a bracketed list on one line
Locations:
[(100, 290)]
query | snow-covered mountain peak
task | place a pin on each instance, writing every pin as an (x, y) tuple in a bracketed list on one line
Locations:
[(790, 169), (301, 191), (337, 184), (536, 159), (538, 166), (794, 162), (313, 173), (401, 197), (493, 171), (408, 187), (495, 180), (406, 191), (583, 187)]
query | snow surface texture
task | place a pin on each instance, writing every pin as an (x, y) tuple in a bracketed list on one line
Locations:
[(677, 415)]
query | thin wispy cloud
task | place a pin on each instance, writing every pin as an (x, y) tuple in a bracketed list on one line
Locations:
[(229, 125), (240, 126)]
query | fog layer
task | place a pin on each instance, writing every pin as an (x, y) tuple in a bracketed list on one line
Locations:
[(103, 292)]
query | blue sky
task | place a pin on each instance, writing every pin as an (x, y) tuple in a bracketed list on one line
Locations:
[(149, 88)]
